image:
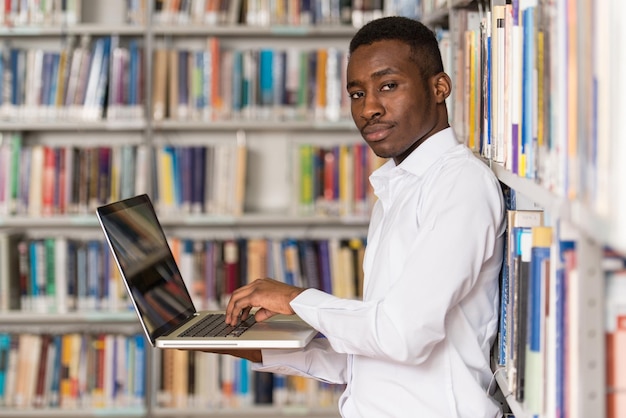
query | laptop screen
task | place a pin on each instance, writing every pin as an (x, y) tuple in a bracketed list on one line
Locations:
[(147, 264)]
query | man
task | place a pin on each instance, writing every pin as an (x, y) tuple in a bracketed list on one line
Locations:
[(418, 343)]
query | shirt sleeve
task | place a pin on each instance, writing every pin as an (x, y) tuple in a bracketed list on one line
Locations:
[(455, 245), (318, 361)]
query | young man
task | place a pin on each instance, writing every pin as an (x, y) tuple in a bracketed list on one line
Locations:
[(418, 343)]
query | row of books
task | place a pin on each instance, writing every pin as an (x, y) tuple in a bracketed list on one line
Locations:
[(334, 180), (224, 83), (72, 371), (88, 81), (201, 179), (194, 379), (47, 180), (18, 13), (280, 12), (516, 63), (538, 332), (62, 274), (107, 371)]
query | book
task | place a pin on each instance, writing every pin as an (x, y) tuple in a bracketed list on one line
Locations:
[(9, 270), (159, 84), (615, 338), (5, 348), (514, 291), (535, 357)]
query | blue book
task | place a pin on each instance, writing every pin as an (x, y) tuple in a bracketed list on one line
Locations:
[(198, 175), (186, 167), (263, 388), (528, 94), (46, 79), (266, 57), (5, 347), (55, 381), (324, 267), (237, 87), (139, 382), (566, 248), (134, 70), (177, 159), (243, 383), (183, 80), (103, 74), (17, 76), (81, 275), (54, 82), (35, 289), (534, 382), (94, 279), (309, 261)]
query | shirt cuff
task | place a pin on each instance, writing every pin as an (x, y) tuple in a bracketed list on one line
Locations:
[(306, 305)]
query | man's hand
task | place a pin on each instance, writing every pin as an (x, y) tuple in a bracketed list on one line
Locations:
[(270, 296)]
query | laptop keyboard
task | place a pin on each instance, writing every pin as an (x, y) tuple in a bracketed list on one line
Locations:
[(213, 325)]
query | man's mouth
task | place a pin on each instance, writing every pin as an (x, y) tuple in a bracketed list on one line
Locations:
[(376, 132)]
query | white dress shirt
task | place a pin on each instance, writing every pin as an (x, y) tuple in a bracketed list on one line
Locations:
[(418, 343)]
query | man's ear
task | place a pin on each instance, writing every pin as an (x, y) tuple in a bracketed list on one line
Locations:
[(442, 86)]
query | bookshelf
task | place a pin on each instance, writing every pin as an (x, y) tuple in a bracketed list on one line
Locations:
[(269, 210), (565, 179)]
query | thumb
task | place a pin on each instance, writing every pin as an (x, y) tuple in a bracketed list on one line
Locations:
[(262, 314)]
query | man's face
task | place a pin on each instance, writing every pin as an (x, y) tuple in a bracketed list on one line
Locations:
[(392, 106)]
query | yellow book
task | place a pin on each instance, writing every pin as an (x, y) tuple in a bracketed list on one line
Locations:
[(471, 51), (320, 82), (159, 84), (165, 164), (306, 202), (241, 164)]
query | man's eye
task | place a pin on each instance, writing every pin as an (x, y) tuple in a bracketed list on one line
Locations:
[(356, 95), (388, 86)]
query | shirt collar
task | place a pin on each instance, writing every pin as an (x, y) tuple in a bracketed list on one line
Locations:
[(423, 156)]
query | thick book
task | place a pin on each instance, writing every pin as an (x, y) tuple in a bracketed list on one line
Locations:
[(515, 218), (9, 270), (539, 283), (513, 285), (159, 84)]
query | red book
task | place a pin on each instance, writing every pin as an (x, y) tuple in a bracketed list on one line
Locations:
[(40, 387), (231, 266), (48, 185)]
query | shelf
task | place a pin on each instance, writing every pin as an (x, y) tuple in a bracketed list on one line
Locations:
[(260, 220), (78, 29), (246, 412), (70, 318), (575, 212), (77, 125), (254, 125), (79, 412), (253, 31)]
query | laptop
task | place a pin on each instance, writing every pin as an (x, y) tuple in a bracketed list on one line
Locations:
[(163, 302)]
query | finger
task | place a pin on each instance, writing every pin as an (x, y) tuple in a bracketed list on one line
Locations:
[(245, 313), (239, 301), (263, 314)]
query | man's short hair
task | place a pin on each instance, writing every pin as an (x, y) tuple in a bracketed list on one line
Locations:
[(423, 42)]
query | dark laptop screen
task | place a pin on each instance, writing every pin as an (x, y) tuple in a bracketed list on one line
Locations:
[(148, 266)]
